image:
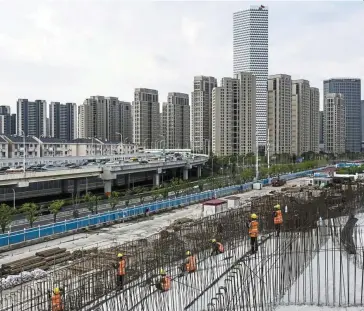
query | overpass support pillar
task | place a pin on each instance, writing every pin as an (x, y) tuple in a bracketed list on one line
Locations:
[(156, 180), (199, 171), (108, 187), (127, 181), (185, 173), (64, 186)]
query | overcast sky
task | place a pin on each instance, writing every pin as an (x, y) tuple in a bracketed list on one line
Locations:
[(68, 50)]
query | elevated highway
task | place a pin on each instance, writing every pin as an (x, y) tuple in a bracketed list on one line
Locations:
[(107, 173)]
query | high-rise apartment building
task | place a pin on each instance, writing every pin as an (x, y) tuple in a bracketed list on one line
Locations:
[(201, 113), (362, 121), (233, 115), (351, 92), (63, 120), (334, 123), (250, 54), (7, 121), (105, 118), (32, 117), (301, 97), (176, 121), (321, 130), (120, 120), (146, 118), (314, 120), (279, 114)]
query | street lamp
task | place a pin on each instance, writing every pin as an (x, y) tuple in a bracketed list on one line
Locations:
[(121, 141), (23, 133), (13, 198)]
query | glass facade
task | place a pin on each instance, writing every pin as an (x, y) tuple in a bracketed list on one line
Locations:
[(250, 54), (351, 91)]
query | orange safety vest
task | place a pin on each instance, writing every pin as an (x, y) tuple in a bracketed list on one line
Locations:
[(121, 269), (57, 302), (191, 264), (166, 283), (278, 219), (220, 247), (254, 229)]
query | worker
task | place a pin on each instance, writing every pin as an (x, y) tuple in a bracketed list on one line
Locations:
[(189, 264), (121, 271), (277, 218), (217, 247), (254, 232), (57, 304), (164, 283)]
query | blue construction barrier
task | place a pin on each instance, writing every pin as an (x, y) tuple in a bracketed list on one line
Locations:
[(128, 213)]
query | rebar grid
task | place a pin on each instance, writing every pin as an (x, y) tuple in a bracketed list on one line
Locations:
[(90, 281)]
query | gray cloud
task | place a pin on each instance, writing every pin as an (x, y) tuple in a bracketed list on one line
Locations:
[(68, 50)]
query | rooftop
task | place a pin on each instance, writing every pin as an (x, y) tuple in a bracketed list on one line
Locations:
[(53, 140), (20, 139)]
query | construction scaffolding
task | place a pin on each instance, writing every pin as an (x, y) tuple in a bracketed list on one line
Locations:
[(285, 270)]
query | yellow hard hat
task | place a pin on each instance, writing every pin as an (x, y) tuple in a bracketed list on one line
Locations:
[(56, 291), (188, 253), (162, 272), (120, 255), (277, 206), (254, 216), (213, 240)]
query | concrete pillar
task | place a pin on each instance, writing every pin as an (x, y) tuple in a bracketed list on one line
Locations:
[(156, 180), (76, 186), (64, 186), (127, 181), (108, 187), (185, 174), (199, 169)]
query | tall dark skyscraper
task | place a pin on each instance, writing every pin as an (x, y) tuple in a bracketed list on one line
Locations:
[(7, 121), (31, 117), (63, 120), (351, 91), (321, 127)]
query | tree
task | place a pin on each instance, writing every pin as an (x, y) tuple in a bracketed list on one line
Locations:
[(247, 174), (55, 207), (114, 199), (201, 184), (89, 199), (176, 184), (31, 212), (156, 194), (6, 216)]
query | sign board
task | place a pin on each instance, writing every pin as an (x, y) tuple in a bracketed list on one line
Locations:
[(23, 184)]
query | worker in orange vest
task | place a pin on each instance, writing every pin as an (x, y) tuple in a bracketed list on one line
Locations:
[(254, 232), (57, 304), (217, 247), (189, 264), (164, 283), (121, 271), (277, 218)]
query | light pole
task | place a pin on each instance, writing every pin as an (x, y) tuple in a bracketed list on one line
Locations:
[(121, 141), (145, 143), (23, 133), (164, 145), (13, 198)]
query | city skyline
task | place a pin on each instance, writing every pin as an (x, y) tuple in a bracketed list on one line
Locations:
[(80, 65)]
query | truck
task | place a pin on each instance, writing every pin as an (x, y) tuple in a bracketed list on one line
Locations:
[(277, 182)]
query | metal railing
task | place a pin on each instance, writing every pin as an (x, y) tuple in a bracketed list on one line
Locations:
[(16, 237)]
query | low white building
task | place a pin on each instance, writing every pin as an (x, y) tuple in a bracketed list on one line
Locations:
[(4, 148), (16, 146), (54, 147)]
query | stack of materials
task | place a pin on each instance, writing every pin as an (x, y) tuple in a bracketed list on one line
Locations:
[(54, 256)]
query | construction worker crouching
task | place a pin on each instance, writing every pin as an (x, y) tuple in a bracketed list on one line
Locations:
[(217, 247), (57, 304), (164, 283), (277, 218), (254, 232), (189, 264), (121, 271)]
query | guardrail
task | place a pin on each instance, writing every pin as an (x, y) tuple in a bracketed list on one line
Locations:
[(128, 213)]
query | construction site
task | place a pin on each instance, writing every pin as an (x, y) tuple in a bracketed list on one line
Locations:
[(317, 260)]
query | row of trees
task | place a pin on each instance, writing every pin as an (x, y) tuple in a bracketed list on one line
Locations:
[(229, 173)]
